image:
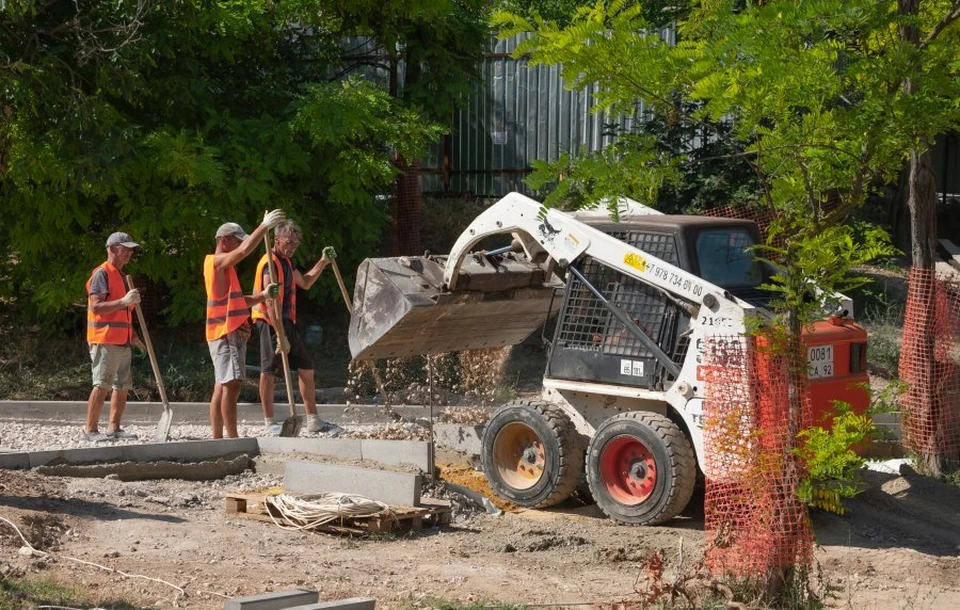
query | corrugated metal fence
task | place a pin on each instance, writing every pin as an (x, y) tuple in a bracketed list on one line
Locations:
[(517, 113)]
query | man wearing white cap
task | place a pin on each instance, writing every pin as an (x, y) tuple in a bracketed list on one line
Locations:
[(110, 334), (228, 313)]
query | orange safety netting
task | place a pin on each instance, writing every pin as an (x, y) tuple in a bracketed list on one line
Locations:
[(754, 520), (929, 356), (762, 216)]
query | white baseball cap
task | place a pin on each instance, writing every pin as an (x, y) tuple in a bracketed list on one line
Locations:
[(231, 228)]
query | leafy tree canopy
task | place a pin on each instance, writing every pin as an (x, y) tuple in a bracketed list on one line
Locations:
[(809, 93), (166, 119)]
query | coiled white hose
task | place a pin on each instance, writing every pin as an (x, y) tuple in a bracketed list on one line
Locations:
[(312, 510)]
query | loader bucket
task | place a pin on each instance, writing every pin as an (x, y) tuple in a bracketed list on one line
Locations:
[(400, 309)]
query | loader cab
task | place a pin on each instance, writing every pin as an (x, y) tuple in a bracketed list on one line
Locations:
[(591, 345)]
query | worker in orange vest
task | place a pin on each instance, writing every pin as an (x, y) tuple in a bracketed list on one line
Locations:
[(110, 334), (228, 317), (287, 237)]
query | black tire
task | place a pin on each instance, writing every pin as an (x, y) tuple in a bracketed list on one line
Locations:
[(641, 468), (531, 454)]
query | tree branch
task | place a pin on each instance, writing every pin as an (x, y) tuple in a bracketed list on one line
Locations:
[(949, 18)]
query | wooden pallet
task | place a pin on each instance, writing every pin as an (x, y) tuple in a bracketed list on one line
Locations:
[(402, 519)]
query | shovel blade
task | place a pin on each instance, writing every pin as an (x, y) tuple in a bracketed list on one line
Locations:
[(291, 426), (162, 433), (400, 307)]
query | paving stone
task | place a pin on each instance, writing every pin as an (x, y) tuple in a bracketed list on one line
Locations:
[(281, 600)]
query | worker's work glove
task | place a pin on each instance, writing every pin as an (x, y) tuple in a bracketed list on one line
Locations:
[(283, 346), (272, 219), (131, 298), (272, 290), (329, 253)]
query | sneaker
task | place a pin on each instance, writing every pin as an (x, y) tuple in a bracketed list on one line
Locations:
[(94, 437), (274, 429), (315, 424), (331, 430), (121, 435)]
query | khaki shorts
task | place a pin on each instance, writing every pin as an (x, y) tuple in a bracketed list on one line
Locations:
[(111, 366), (229, 355)]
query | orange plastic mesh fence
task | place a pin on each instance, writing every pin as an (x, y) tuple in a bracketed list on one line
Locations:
[(754, 521), (762, 216), (929, 356)]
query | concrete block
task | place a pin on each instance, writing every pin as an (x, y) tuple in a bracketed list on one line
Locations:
[(343, 448), (395, 488), (190, 451), (392, 453), (459, 437), (353, 603), (272, 601), (14, 460)]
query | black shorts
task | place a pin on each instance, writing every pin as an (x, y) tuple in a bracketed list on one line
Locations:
[(270, 361)]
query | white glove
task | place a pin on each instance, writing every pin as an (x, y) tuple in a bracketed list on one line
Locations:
[(283, 346), (131, 298), (272, 219)]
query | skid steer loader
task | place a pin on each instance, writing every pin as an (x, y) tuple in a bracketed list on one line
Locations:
[(635, 302)]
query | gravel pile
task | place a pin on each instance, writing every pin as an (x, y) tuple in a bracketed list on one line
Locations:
[(17, 436)]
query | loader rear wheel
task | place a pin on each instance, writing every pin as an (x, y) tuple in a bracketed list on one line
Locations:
[(531, 454), (641, 468)]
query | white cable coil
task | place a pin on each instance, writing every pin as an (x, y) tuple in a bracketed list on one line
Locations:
[(312, 510)]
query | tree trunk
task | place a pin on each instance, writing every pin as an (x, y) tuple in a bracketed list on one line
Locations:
[(406, 209), (921, 322)]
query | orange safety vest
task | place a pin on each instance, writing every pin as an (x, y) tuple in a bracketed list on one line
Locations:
[(260, 311), (226, 312), (116, 327)]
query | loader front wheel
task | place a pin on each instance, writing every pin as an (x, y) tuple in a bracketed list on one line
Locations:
[(641, 468), (531, 454)]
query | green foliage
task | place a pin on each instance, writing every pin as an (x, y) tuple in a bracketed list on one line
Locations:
[(167, 119), (821, 260), (808, 94), (832, 463), (32, 592)]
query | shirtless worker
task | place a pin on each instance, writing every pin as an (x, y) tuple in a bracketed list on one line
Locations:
[(228, 313)]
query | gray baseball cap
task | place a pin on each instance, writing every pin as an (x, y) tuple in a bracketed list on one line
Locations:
[(122, 239), (231, 228)]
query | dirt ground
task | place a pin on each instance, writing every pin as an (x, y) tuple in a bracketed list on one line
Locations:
[(898, 548)]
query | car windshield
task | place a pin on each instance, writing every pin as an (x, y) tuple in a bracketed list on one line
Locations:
[(725, 259)]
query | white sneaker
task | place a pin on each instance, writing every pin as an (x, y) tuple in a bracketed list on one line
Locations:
[(121, 435), (315, 424), (94, 437), (274, 429)]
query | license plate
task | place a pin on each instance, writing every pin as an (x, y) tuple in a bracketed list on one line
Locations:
[(819, 361)]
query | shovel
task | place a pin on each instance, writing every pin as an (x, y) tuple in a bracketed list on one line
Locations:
[(162, 433), (291, 426)]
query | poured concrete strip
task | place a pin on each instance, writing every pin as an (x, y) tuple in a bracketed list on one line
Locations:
[(140, 471), (395, 488), (272, 601), (353, 603), (185, 451)]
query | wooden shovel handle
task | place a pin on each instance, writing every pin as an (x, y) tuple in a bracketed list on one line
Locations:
[(150, 352), (278, 325)]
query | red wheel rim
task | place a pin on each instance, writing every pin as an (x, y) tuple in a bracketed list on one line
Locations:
[(628, 470), (518, 456)]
